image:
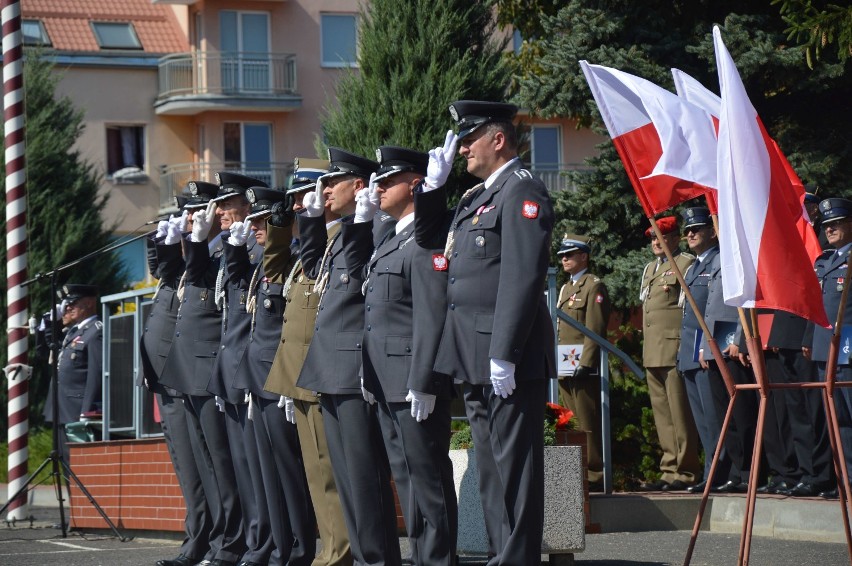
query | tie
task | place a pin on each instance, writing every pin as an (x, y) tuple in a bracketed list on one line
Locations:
[(659, 263)]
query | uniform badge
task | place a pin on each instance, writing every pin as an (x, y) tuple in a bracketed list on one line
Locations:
[(267, 303), (439, 262), (242, 298), (599, 297), (73, 355), (480, 241), (571, 300), (530, 209), (344, 278), (475, 220)]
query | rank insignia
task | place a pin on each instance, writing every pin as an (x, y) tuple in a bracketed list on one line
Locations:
[(439, 262), (530, 209), (599, 298)]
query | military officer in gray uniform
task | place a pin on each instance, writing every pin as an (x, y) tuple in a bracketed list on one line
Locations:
[(498, 337), (301, 408), (80, 364), (830, 269), (188, 368), (332, 366), (168, 266), (413, 401)]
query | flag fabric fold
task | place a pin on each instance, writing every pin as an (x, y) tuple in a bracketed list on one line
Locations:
[(765, 262), (656, 134)]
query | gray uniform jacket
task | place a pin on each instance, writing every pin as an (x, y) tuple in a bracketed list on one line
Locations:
[(159, 326), (398, 354), (334, 356), (830, 270), (717, 311), (80, 375), (198, 329), (495, 295), (229, 379), (697, 278)]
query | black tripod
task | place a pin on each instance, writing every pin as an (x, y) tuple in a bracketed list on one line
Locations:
[(60, 468)]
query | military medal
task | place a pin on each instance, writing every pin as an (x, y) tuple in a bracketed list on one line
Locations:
[(666, 288), (840, 283), (480, 241), (475, 220), (571, 300)]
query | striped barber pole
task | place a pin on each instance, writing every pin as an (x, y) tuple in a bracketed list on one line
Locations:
[(16, 251)]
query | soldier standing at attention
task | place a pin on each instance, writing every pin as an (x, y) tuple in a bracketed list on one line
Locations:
[(498, 335), (662, 309), (584, 298)]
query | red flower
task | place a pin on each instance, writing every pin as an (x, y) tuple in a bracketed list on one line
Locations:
[(561, 414)]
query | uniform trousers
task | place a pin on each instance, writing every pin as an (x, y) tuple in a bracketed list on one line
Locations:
[(700, 396), (583, 396), (513, 428), (675, 425), (212, 452), (199, 520), (362, 475), (422, 460), (246, 462), (286, 490), (324, 497), (739, 440), (843, 408)]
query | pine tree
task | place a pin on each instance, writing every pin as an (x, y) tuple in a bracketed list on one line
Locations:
[(64, 208), (415, 59)]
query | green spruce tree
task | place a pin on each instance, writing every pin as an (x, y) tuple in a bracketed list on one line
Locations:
[(64, 209), (415, 58)]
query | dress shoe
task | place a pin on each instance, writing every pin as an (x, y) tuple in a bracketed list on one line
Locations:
[(181, 560), (829, 493), (656, 485), (801, 489), (677, 485), (773, 487), (221, 562), (731, 486), (697, 488), (247, 563)]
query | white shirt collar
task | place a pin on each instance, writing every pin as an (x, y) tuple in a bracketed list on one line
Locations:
[(403, 222), (493, 176), (703, 255), (579, 274), (83, 323), (328, 225)]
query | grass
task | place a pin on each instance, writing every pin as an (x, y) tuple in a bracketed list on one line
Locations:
[(39, 448)]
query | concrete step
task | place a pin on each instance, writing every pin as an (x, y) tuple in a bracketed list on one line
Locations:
[(788, 518)]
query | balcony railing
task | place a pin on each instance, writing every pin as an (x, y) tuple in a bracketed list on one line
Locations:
[(173, 178), (555, 176), (242, 74)]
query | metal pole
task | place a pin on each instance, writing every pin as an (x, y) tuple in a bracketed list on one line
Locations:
[(16, 251), (606, 439)]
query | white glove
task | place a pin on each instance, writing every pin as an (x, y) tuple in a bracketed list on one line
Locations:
[(173, 232), (368, 397), (239, 233), (202, 221), (367, 201), (440, 163), (183, 221), (502, 377), (18, 371), (162, 229), (422, 404), (289, 407), (314, 202), (220, 403)]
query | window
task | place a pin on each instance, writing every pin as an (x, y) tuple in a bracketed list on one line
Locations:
[(339, 34), (546, 147), (34, 33), (115, 35), (125, 151), (248, 149), (245, 47)]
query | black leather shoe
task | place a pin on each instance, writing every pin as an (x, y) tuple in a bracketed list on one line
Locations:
[(829, 493), (676, 485), (221, 562), (730, 486), (697, 488), (656, 485), (181, 560), (773, 487), (247, 563), (801, 489)]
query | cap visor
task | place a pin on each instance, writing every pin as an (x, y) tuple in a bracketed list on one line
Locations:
[(301, 188)]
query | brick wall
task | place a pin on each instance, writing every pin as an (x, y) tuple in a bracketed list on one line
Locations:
[(132, 480)]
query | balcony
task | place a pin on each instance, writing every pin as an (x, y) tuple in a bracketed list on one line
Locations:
[(191, 83), (555, 176), (173, 178)]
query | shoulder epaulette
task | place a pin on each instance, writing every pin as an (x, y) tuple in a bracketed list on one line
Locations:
[(523, 174)]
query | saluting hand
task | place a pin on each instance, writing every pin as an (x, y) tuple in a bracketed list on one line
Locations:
[(173, 232), (367, 201), (440, 163), (314, 202), (162, 230), (183, 221), (239, 233), (202, 221)]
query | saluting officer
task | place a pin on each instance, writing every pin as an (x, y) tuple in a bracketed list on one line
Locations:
[(80, 364), (498, 336), (413, 401), (301, 407), (662, 309), (332, 366), (831, 269), (168, 266), (584, 298)]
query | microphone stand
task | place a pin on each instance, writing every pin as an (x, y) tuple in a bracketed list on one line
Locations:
[(60, 467)]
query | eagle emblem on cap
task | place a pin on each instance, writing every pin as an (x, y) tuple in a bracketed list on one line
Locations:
[(454, 113), (690, 212), (65, 290), (193, 189), (379, 154), (250, 196), (218, 182), (824, 205), (296, 164), (328, 152)]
